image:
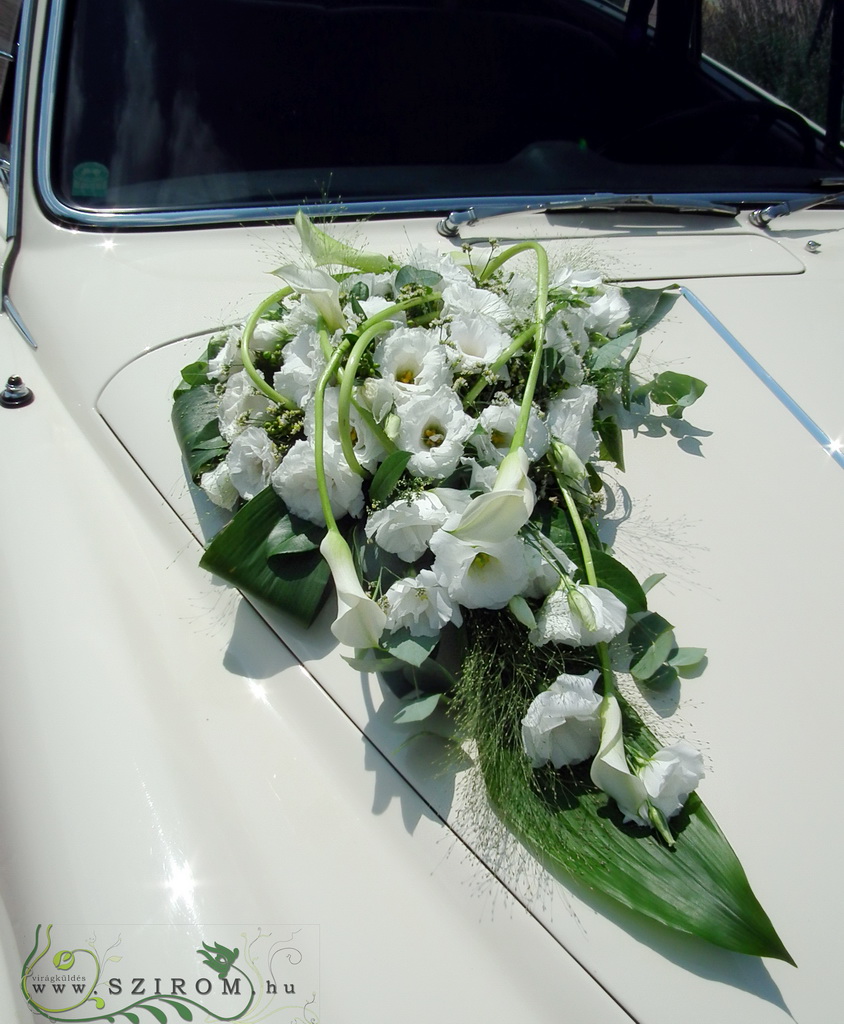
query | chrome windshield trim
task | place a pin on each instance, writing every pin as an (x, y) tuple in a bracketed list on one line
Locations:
[(126, 219), (11, 311), (16, 150)]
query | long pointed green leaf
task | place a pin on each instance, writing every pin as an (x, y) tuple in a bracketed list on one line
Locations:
[(698, 886), (246, 554)]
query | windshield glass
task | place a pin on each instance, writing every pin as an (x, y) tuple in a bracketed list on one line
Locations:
[(205, 104)]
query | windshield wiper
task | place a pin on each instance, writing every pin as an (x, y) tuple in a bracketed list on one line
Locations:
[(679, 202), (762, 218)]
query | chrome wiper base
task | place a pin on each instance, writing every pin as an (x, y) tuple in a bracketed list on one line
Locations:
[(762, 218), (681, 202)]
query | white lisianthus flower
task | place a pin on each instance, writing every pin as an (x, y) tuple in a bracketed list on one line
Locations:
[(579, 615), (562, 723), (444, 265), (405, 527), (420, 605), (569, 419), (499, 423), (377, 304), (413, 356), (560, 339), (664, 781), (318, 289), (218, 486), (462, 299), (264, 336), (433, 428), (367, 448), (302, 366), (377, 395), (360, 620), (240, 404), (295, 482), (481, 575), (382, 285), (478, 341), (251, 460), (607, 312)]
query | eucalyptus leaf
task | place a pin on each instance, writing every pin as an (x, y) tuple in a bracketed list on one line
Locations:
[(649, 305), (677, 391), (418, 710), (651, 641), (411, 649), (609, 354), (414, 276), (687, 657), (242, 554), (652, 581)]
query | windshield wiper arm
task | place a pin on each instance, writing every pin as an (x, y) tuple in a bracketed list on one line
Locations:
[(762, 218), (681, 202)]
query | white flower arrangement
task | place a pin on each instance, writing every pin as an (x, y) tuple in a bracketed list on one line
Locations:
[(432, 434)]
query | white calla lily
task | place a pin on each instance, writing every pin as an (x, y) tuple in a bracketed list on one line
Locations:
[(659, 789), (320, 289), (500, 513), (610, 771), (360, 620)]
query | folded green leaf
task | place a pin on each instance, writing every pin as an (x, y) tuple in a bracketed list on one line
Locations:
[(195, 423), (243, 553), (649, 305)]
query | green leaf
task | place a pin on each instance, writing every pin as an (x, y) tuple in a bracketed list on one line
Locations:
[(411, 649), (196, 373), (180, 1008), (619, 580), (612, 441), (649, 305), (159, 1015), (245, 554), (677, 391), (609, 354), (387, 476), (131, 1017), (417, 710), (698, 886), (652, 581), (651, 641), (293, 536), (687, 657), (414, 276), (195, 423)]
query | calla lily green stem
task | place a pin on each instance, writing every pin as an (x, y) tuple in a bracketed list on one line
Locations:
[(319, 432), (246, 355), (538, 328)]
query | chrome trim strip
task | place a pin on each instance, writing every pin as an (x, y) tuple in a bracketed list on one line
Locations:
[(832, 448), (15, 317), (115, 219), (16, 154)]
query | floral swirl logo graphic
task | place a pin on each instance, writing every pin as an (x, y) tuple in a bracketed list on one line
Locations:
[(70, 986)]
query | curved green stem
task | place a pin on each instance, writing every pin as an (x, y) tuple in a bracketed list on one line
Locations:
[(246, 355), (515, 346), (398, 307), (319, 432), (592, 579), (538, 329), (347, 385)]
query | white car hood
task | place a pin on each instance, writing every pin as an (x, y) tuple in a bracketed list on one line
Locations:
[(746, 530)]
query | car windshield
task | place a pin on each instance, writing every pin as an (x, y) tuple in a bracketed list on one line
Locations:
[(191, 105)]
